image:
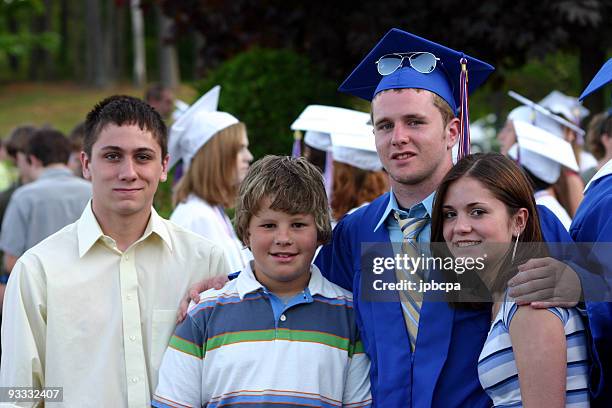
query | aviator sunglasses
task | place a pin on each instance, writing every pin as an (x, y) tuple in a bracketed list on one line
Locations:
[(423, 62)]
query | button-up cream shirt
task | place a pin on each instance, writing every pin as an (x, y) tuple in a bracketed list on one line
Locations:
[(80, 314)]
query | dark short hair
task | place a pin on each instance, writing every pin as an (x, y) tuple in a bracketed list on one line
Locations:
[(292, 185), (50, 146), (19, 139), (598, 126), (76, 137), (154, 92), (123, 110)]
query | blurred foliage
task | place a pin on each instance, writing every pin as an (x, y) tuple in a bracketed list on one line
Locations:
[(162, 202), (17, 40), (267, 90), (337, 34), (534, 80), (21, 44)]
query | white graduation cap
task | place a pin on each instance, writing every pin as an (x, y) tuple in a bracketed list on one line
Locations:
[(541, 152), (546, 118), (196, 126), (319, 122), (567, 106), (320, 119), (318, 140), (357, 149), (180, 107), (528, 114)]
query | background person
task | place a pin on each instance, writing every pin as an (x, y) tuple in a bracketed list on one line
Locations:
[(319, 122), (599, 142), (76, 137), (571, 109), (358, 174), (567, 189), (214, 148), (16, 146), (54, 199), (161, 99), (7, 168), (542, 156)]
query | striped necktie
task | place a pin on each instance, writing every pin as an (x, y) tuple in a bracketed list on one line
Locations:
[(411, 300)]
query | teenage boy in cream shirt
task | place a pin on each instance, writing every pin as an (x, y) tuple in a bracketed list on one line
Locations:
[(92, 307)]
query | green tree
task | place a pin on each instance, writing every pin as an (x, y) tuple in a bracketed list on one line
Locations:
[(337, 34), (24, 33), (267, 89)]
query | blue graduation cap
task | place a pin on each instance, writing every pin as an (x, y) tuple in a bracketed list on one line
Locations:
[(602, 78), (446, 76)]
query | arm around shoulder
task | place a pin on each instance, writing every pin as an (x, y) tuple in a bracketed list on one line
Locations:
[(335, 259), (539, 345)]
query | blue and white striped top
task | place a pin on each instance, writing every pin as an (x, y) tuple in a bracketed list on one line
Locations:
[(497, 368)]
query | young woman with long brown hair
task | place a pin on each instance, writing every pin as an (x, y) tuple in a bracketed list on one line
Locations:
[(532, 357)]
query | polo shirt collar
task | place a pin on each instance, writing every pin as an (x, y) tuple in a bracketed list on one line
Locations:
[(89, 230), (417, 210), (247, 283)]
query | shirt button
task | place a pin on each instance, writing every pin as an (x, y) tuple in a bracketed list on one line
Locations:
[(132, 338), (129, 297), (283, 318), (134, 380), (127, 257)]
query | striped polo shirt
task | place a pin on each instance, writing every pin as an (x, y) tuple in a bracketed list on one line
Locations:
[(497, 367), (244, 345)]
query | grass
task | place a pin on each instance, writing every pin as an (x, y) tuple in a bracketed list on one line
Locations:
[(60, 104)]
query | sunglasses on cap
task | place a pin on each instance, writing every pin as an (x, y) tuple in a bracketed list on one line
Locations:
[(423, 62)]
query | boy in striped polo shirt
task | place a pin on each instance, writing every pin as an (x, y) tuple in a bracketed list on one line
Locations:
[(280, 333)]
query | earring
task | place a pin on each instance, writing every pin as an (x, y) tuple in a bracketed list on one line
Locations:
[(515, 245)]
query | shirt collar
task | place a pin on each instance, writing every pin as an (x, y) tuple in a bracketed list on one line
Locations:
[(417, 210), (89, 230), (604, 171), (247, 283), (54, 172)]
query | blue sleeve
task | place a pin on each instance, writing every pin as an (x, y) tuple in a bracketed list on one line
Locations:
[(562, 248), (595, 234), (335, 259), (598, 223), (552, 229)]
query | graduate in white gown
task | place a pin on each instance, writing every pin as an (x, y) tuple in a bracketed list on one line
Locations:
[(213, 147), (358, 175), (319, 122), (542, 155), (533, 137)]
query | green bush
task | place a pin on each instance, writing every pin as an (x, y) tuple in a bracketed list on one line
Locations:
[(267, 89)]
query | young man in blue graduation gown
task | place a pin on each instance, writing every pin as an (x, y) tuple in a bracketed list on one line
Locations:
[(593, 225), (415, 127)]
